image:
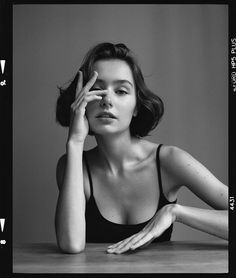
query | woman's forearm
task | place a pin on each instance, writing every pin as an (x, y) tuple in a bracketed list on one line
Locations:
[(211, 221), (70, 211)]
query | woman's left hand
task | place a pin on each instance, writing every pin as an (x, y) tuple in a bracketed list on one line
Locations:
[(159, 223)]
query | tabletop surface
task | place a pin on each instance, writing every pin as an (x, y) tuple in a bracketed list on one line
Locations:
[(165, 257)]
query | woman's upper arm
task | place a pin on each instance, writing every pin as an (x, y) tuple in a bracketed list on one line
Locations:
[(196, 177)]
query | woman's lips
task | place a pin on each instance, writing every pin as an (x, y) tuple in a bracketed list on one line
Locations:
[(106, 115)]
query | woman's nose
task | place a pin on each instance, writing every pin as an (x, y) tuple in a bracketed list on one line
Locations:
[(106, 100)]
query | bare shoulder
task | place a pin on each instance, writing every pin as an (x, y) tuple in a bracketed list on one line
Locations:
[(176, 164), (196, 177), (171, 154), (167, 152), (174, 159)]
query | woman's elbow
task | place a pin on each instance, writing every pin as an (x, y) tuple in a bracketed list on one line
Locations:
[(72, 248)]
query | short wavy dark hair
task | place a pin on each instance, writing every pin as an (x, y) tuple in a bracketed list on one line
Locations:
[(150, 107)]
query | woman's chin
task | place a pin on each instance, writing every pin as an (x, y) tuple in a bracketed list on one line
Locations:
[(103, 131), (108, 131)]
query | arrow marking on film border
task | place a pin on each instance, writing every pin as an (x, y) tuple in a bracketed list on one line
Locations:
[(2, 222), (2, 65)]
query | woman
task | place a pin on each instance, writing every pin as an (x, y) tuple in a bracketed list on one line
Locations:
[(124, 190)]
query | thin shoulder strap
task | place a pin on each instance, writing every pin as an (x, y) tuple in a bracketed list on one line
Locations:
[(89, 174), (159, 168)]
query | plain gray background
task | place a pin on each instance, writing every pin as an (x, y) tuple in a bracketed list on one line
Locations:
[(182, 50)]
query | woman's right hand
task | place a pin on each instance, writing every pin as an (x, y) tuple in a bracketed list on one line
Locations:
[(79, 126)]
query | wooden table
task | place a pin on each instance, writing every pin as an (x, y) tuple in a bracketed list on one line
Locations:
[(165, 257)]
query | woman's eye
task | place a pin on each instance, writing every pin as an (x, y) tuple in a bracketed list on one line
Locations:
[(121, 92), (96, 89)]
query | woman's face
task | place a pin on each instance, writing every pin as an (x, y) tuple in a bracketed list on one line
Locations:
[(120, 100)]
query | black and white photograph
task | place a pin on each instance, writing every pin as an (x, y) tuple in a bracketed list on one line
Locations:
[(120, 138)]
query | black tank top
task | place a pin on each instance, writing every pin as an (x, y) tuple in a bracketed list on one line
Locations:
[(99, 229)]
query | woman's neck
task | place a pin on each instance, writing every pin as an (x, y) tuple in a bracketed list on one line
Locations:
[(117, 151)]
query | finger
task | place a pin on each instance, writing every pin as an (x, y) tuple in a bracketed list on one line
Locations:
[(91, 98), (130, 244), (111, 247), (142, 241), (97, 92), (87, 95), (83, 102), (79, 84), (143, 233), (114, 245), (84, 95), (120, 243), (126, 245), (117, 245), (80, 91), (130, 241), (91, 82), (146, 244)]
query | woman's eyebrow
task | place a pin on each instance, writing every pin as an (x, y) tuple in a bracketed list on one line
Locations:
[(122, 81), (119, 81)]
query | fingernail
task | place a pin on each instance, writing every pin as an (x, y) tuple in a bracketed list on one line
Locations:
[(95, 72), (111, 247)]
